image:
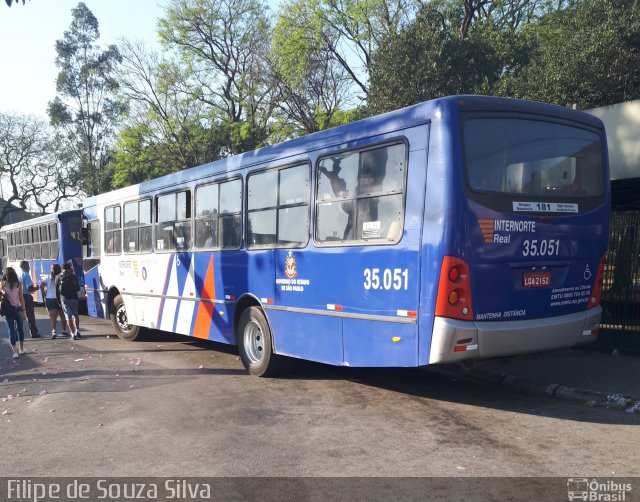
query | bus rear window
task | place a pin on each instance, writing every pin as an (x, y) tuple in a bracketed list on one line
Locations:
[(532, 159)]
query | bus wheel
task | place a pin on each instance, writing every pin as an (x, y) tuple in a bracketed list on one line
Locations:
[(255, 344), (120, 322)]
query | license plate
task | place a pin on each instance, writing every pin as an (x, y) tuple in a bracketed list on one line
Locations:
[(536, 279)]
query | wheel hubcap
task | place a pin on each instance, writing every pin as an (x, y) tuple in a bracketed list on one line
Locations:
[(253, 342), (121, 318)]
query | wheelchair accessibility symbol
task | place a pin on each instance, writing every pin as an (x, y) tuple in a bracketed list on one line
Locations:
[(587, 273)]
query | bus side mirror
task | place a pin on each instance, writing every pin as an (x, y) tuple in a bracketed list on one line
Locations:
[(84, 236)]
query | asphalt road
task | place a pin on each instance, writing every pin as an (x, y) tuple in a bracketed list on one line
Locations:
[(172, 406)]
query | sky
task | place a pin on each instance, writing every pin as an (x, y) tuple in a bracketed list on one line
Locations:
[(28, 34)]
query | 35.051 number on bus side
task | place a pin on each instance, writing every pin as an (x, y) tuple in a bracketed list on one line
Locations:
[(386, 279)]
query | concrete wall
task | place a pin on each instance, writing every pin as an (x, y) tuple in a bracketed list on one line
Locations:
[(622, 122)]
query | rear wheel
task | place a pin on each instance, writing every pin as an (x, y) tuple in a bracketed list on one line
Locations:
[(120, 321), (255, 344)]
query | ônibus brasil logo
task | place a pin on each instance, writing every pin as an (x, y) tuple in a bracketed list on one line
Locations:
[(290, 269), (597, 491)]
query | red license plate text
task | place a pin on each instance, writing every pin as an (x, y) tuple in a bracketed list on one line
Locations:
[(536, 279)]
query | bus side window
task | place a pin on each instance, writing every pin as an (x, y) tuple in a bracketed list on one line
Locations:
[(182, 234), (91, 251), (206, 224), (373, 209), (26, 238), (112, 230), (262, 200), (37, 251), (145, 239), (45, 248), (173, 217), (20, 248), (218, 222), (55, 243), (230, 231), (278, 207), (230, 214), (130, 238)]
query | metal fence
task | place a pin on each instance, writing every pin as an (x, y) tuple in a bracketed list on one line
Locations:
[(621, 291)]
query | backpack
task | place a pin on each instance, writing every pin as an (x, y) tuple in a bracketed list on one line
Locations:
[(5, 309), (69, 286)]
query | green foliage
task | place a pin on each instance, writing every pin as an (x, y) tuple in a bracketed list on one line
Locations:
[(427, 60), (166, 129), (296, 37), (225, 43), (589, 56), (584, 52), (85, 108), (137, 156), (312, 86)]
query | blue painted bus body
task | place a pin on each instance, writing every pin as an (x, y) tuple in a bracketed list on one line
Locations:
[(68, 225), (334, 310)]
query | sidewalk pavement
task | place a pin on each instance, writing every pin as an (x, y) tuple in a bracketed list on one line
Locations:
[(593, 378)]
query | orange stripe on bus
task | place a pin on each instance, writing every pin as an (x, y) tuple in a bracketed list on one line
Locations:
[(203, 320), (205, 309), (209, 287)]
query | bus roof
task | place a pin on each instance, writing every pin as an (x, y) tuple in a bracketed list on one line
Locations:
[(46, 218), (392, 121)]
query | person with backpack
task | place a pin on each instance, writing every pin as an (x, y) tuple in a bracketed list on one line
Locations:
[(67, 287)]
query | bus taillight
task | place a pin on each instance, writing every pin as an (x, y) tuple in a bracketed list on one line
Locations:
[(454, 290), (596, 292)]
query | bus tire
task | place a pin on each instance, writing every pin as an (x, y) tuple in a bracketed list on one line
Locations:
[(255, 344), (120, 323)]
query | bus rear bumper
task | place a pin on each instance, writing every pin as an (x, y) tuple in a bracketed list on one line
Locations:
[(454, 340)]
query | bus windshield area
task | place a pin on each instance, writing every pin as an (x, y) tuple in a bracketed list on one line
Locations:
[(533, 158)]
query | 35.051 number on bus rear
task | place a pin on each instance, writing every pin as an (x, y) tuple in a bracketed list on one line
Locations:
[(397, 278), (535, 247)]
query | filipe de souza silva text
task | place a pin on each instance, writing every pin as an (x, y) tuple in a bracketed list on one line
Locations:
[(41, 490)]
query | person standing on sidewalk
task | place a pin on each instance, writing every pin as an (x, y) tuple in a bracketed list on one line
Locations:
[(67, 287), (12, 292), (27, 288), (49, 293)]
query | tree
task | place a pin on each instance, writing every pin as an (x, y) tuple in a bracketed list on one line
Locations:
[(350, 31), (501, 15), (86, 107), (588, 55), (313, 87), (167, 130), (9, 2), (35, 172), (225, 45), (427, 60)]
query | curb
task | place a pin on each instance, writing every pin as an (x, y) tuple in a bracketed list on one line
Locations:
[(588, 397)]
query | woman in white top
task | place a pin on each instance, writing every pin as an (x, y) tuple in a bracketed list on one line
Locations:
[(12, 291), (48, 288)]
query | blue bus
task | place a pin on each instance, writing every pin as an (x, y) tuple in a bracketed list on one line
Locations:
[(43, 241), (464, 227)]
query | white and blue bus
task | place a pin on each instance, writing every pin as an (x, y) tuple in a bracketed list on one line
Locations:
[(464, 227), (43, 241)]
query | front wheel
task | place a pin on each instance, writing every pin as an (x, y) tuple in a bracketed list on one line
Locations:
[(120, 321), (255, 344)]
